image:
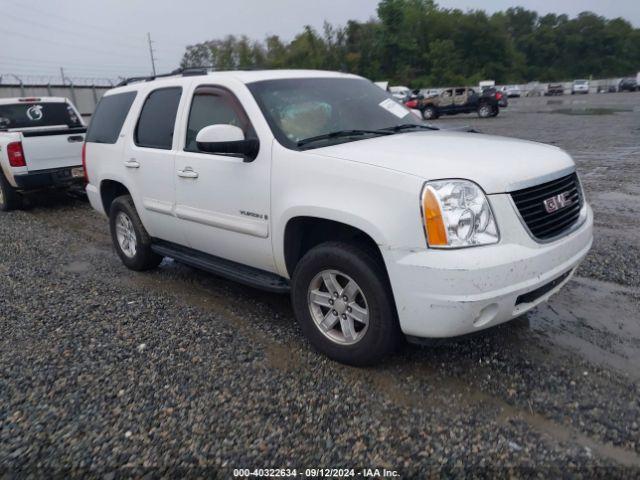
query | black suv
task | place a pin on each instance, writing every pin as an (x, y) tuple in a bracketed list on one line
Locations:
[(628, 85)]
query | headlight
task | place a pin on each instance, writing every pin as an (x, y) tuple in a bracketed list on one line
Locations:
[(457, 214)]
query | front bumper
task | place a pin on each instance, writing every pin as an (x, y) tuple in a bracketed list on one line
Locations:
[(445, 293), (55, 177)]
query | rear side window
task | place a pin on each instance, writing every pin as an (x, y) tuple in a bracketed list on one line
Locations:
[(109, 116), (30, 115), (158, 118)]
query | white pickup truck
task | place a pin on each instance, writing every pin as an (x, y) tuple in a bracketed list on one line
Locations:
[(40, 146), (320, 184)]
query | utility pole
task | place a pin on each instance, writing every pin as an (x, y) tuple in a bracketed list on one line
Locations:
[(62, 75), (153, 60)]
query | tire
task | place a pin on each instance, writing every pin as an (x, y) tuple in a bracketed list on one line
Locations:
[(376, 339), (429, 113), (9, 198), (485, 110), (495, 112), (125, 222)]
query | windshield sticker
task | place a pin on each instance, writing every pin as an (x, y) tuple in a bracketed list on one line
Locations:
[(34, 112), (393, 107)]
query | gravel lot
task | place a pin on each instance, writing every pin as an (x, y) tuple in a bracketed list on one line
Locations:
[(108, 372)]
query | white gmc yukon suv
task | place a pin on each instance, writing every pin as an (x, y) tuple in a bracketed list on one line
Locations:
[(40, 146), (320, 184)]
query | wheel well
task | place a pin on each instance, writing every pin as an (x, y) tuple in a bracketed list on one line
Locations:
[(109, 191), (303, 233)]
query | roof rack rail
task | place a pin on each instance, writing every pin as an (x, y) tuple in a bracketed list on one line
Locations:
[(185, 72)]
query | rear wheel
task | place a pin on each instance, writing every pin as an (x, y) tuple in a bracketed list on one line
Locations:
[(9, 198), (485, 110), (130, 239), (343, 303)]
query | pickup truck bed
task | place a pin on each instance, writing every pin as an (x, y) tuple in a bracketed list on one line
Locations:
[(40, 146)]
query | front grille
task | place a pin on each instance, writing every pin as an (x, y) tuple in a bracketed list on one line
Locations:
[(542, 224), (534, 295)]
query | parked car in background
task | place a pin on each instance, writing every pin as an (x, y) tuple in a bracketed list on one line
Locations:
[(319, 185), (430, 92), (40, 146), (512, 91), (628, 84), (453, 101), (607, 87), (554, 89), (402, 94), (534, 89), (580, 86)]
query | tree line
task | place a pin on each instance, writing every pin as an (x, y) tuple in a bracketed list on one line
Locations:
[(418, 43)]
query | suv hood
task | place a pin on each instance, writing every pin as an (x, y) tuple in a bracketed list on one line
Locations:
[(497, 164)]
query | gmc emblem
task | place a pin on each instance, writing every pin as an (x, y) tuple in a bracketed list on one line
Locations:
[(557, 202)]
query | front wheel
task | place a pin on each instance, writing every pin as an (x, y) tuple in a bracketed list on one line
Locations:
[(130, 238), (9, 198), (485, 110), (343, 303), (429, 113)]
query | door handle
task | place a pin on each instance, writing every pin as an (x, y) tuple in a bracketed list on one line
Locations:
[(75, 138), (187, 173), (131, 163)]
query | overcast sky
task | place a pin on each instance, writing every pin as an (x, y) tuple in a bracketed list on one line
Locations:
[(107, 38)]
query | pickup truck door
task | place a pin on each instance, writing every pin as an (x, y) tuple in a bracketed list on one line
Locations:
[(460, 99), (148, 162), (446, 100), (222, 201)]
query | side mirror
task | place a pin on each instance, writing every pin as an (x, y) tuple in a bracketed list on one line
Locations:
[(229, 140)]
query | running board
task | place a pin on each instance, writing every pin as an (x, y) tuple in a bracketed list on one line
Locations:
[(237, 272)]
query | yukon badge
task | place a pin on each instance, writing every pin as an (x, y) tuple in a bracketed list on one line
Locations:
[(557, 202)]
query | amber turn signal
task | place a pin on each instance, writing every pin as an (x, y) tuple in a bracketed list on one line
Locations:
[(433, 221)]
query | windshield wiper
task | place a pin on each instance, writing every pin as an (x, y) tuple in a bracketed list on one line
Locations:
[(408, 126), (342, 133)]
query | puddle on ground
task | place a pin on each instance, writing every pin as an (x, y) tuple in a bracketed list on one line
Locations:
[(589, 111), (595, 319)]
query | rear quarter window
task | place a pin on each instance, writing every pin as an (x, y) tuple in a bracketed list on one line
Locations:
[(109, 117)]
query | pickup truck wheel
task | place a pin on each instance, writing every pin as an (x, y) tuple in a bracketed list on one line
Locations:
[(485, 110), (130, 239), (9, 198), (429, 113), (343, 303)]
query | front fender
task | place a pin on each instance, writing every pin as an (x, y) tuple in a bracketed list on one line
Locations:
[(382, 203)]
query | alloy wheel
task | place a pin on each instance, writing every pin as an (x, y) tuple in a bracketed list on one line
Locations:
[(126, 235), (338, 307)]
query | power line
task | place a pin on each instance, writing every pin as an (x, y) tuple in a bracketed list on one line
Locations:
[(72, 33), (65, 44), (81, 24)]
